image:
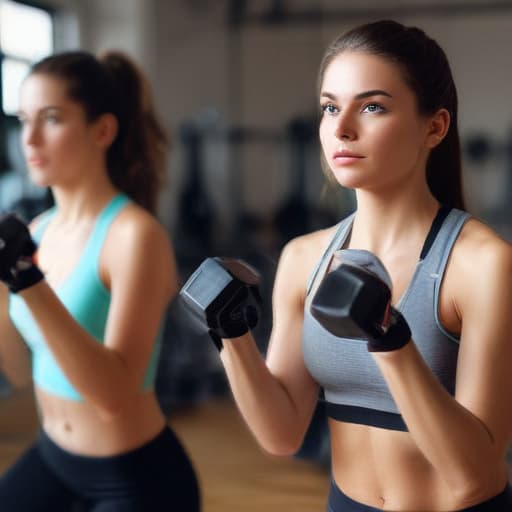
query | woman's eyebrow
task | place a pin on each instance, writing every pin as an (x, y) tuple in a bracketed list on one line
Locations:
[(361, 95), (373, 92)]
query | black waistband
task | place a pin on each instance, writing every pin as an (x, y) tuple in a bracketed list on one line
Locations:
[(339, 501), (365, 416)]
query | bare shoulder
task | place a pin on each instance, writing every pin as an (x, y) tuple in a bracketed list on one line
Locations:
[(300, 255), (480, 248), (137, 239), (481, 260), (136, 220), (308, 248)]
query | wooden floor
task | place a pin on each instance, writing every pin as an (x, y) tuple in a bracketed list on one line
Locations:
[(235, 474)]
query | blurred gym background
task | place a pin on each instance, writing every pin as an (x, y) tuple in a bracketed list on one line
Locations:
[(235, 84)]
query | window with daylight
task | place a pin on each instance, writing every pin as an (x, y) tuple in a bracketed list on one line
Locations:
[(26, 35)]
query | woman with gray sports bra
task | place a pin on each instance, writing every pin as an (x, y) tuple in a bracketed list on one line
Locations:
[(400, 313)]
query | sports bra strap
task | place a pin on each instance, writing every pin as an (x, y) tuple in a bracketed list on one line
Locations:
[(440, 217), (337, 239), (100, 230)]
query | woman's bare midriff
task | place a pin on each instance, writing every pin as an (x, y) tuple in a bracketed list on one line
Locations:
[(78, 427), (384, 469)]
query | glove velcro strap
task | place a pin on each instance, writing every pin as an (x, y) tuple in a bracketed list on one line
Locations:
[(228, 332), (397, 335)]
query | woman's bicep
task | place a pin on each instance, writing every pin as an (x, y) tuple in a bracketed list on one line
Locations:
[(284, 357), (484, 376), (142, 275)]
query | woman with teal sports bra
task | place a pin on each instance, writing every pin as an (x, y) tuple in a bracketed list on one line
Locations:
[(87, 285)]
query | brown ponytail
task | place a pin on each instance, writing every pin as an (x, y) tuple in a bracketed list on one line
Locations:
[(136, 160)]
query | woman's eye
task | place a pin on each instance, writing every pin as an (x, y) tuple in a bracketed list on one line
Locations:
[(329, 108), (373, 107)]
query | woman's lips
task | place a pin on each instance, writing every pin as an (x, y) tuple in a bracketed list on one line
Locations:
[(346, 157), (36, 161)]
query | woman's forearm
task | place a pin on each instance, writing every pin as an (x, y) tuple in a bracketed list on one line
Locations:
[(264, 402), (456, 443)]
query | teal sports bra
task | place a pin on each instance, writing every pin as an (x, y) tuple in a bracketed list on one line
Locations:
[(84, 296)]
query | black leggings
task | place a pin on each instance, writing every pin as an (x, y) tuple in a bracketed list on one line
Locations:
[(155, 477), (340, 502)]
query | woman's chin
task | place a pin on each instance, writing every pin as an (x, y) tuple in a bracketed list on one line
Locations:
[(349, 179), (39, 179)]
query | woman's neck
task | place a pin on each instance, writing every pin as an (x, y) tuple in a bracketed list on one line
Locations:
[(387, 225), (80, 203)]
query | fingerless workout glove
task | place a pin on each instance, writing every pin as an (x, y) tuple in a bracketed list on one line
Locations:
[(17, 268)]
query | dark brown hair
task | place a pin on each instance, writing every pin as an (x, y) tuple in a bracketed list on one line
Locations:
[(427, 72), (113, 83)]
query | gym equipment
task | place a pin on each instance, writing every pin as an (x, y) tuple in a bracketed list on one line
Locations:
[(354, 301), (224, 294)]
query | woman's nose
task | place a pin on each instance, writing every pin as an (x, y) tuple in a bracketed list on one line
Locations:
[(30, 134), (346, 127)]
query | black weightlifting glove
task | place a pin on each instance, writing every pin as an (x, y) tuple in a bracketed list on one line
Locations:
[(224, 293), (354, 301), (393, 335), (17, 268)]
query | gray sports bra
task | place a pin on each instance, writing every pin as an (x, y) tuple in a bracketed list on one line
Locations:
[(354, 389)]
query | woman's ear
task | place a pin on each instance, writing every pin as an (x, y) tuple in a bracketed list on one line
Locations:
[(438, 126), (106, 130)]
